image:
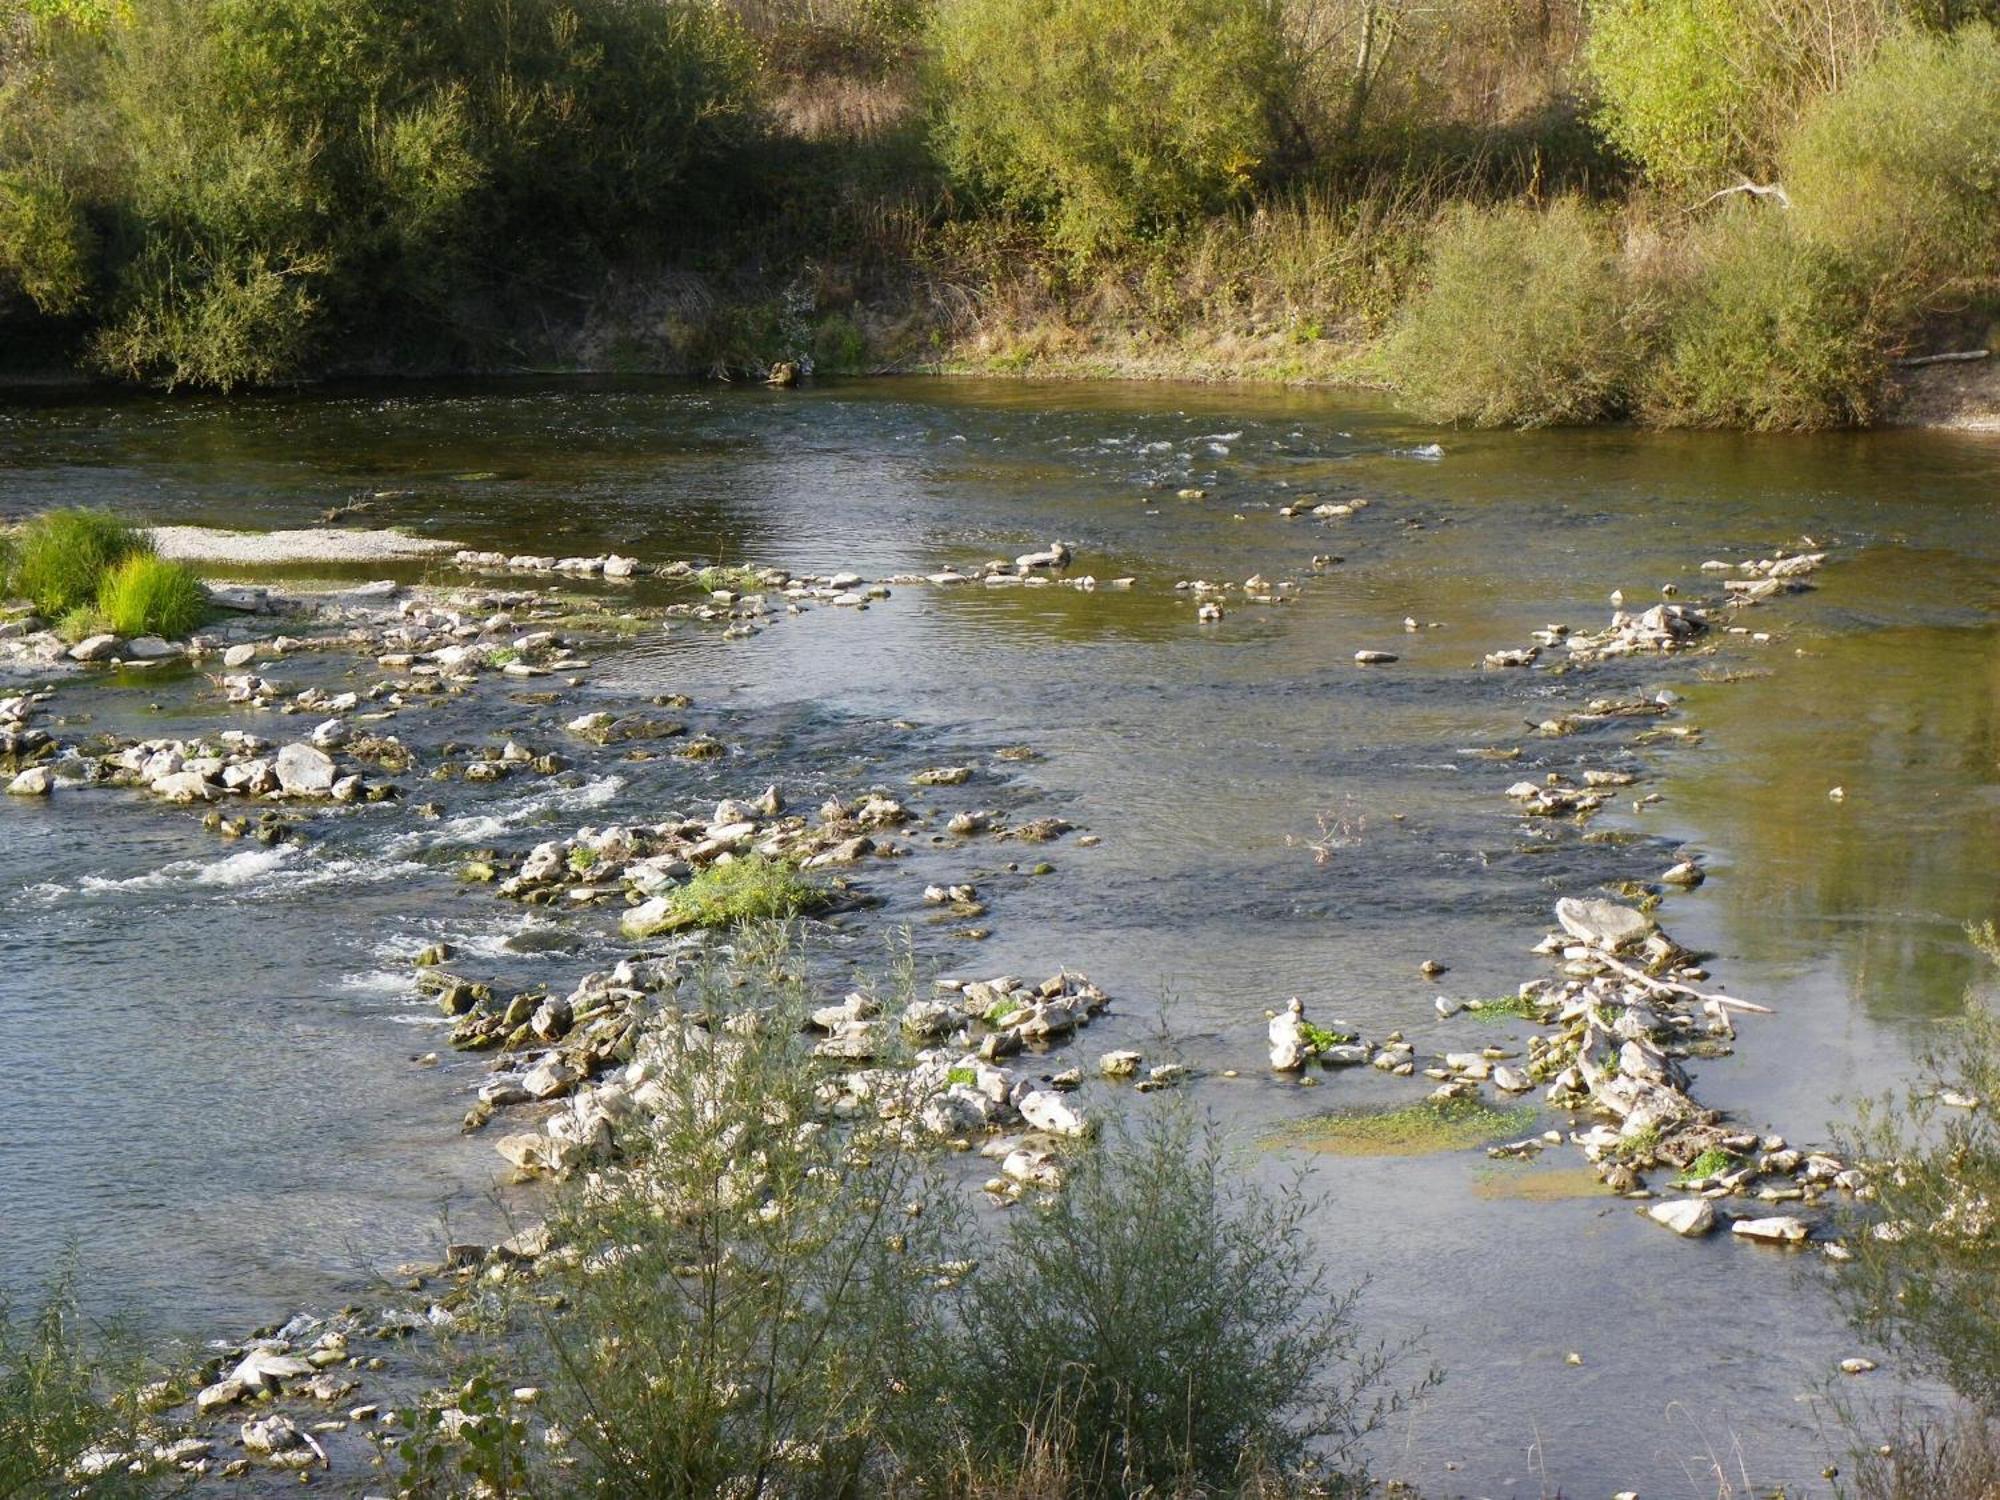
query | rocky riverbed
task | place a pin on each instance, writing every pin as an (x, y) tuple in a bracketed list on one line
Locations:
[(991, 1064), (1206, 753)]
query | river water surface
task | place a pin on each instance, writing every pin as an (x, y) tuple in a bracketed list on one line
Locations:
[(213, 1094)]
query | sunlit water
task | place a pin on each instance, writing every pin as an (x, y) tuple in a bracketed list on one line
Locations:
[(212, 1090)]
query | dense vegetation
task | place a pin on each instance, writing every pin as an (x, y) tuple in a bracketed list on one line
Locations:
[(1517, 214), (89, 572)]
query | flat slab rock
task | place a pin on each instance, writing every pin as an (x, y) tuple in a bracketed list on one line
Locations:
[(1602, 924), (1781, 1229), (1688, 1217)]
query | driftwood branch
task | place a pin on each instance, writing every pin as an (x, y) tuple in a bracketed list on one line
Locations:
[(1772, 190), (1942, 359), (1668, 987)]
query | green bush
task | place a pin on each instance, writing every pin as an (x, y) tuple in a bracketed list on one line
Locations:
[(1926, 1271), (1111, 117), (1900, 168), (1525, 322), (276, 177), (150, 596), (746, 1285), (45, 245), (1701, 92), (1162, 1327), (61, 557), (64, 1395), (1768, 332)]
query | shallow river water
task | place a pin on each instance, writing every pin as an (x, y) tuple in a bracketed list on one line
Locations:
[(212, 1092)]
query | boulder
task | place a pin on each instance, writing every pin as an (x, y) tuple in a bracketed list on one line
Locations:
[(1602, 924), (1047, 1110), (185, 786), (152, 648), (33, 782), (304, 771), (1781, 1229), (94, 648), (1288, 1039), (1688, 1217)]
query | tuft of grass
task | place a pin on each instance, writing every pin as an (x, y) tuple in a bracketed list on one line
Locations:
[(60, 558), (739, 580), (81, 623), (147, 595), (1420, 1129), (750, 889)]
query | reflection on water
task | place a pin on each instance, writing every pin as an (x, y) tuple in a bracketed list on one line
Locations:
[(227, 1115)]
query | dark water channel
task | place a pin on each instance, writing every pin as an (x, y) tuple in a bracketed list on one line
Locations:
[(212, 1093)]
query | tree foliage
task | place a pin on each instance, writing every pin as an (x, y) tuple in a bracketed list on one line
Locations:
[(1113, 118)]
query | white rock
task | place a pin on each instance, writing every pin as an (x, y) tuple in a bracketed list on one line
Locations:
[(304, 771), (1047, 1110), (94, 648), (1288, 1039), (33, 782), (264, 1369), (1690, 1217), (1602, 924), (1781, 1229)]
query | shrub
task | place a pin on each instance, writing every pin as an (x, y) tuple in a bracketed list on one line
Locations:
[(64, 1394), (146, 595), (1702, 91), (1900, 169), (1161, 1326), (45, 246), (1926, 1272), (745, 1286), (61, 557), (1525, 322), (1111, 117), (273, 175), (1768, 331)]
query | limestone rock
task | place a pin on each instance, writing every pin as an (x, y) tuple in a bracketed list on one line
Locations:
[(1602, 924), (304, 771), (1688, 1217)]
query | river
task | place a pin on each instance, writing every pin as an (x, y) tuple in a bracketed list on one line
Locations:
[(215, 1095)]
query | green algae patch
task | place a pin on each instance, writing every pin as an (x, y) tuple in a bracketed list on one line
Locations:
[(1521, 1183), (1508, 1008), (1422, 1129)]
